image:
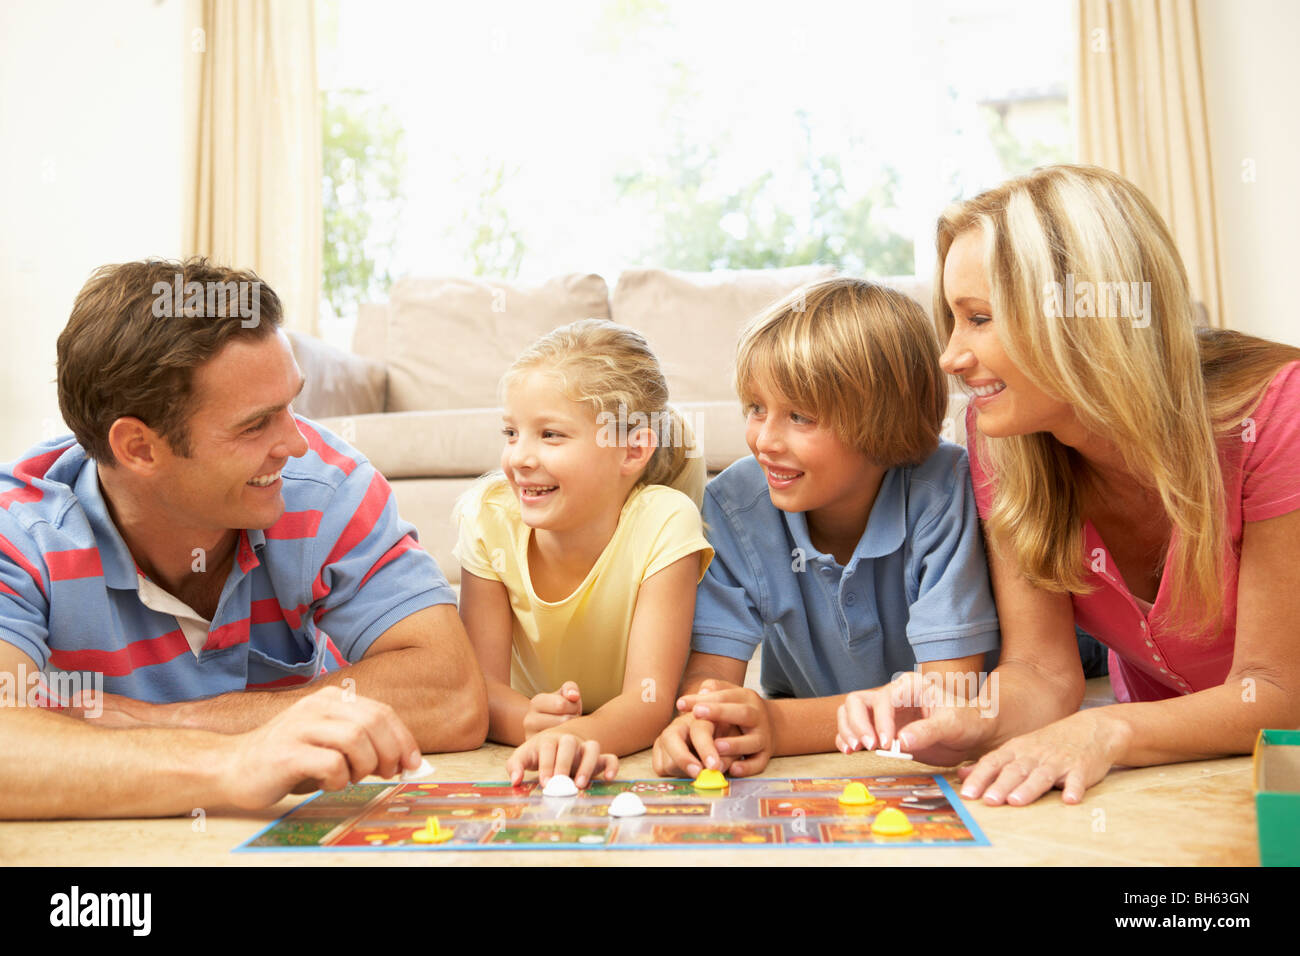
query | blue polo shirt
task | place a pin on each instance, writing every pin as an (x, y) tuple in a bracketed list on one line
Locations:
[(305, 596), (916, 588)]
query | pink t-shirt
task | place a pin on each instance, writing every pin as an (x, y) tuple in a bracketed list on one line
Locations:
[(1261, 477)]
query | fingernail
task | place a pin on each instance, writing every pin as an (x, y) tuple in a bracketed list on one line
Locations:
[(681, 703), (711, 763), (968, 793), (905, 741), (867, 742), (693, 769), (722, 746), (701, 710)]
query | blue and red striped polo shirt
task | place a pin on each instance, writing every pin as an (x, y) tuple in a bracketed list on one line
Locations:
[(305, 596)]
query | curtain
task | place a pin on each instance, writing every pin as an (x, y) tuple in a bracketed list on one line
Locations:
[(253, 150), (1141, 112)]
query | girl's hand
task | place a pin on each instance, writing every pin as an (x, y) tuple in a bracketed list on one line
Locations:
[(553, 752), (550, 710), (749, 746), (1073, 753)]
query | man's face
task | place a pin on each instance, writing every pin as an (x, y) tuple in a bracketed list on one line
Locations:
[(242, 432)]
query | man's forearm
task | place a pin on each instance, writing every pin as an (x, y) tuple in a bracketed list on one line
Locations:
[(58, 766), (442, 717)]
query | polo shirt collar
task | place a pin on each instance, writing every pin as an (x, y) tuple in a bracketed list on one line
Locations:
[(886, 525)]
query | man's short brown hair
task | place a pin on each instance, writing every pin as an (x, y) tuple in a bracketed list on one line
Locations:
[(137, 333), (859, 358)]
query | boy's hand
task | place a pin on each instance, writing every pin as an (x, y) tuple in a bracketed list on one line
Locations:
[(553, 752), (748, 745), (686, 746), (550, 710)]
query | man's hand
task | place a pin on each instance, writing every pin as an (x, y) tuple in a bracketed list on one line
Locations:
[(550, 710), (321, 741)]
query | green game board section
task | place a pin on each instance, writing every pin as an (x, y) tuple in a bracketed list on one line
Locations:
[(351, 796), (307, 832)]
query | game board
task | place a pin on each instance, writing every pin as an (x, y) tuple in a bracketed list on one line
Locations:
[(750, 812)]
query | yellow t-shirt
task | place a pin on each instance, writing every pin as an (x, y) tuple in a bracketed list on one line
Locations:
[(583, 637)]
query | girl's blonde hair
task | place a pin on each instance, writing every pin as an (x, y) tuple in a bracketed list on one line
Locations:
[(1162, 395), (612, 368), (859, 358)]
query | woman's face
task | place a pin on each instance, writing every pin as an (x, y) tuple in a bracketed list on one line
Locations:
[(1006, 402)]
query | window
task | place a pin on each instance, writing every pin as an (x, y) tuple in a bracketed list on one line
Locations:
[(525, 140)]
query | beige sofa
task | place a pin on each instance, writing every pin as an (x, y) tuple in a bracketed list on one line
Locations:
[(419, 395)]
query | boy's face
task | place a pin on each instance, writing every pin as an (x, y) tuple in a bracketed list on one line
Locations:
[(808, 467)]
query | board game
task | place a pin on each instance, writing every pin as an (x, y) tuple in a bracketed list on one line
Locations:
[(748, 813)]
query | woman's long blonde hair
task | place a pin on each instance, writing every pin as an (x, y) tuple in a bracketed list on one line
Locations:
[(1163, 395), (612, 368)]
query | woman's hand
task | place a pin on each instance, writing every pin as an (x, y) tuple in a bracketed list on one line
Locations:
[(1073, 754), (934, 730), (550, 710), (554, 752)]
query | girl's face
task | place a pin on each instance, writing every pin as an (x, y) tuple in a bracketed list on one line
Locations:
[(808, 467), (564, 475), (1005, 401)]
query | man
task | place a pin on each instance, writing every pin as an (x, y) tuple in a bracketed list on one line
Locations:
[(235, 577)]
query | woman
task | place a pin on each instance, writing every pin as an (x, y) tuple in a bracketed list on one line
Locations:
[(1135, 477)]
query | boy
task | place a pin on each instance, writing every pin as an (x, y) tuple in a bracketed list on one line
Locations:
[(848, 545)]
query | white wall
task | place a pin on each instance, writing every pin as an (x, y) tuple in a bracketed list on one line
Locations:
[(1252, 80), (90, 172)]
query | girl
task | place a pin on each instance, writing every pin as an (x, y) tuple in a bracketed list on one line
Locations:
[(581, 557), (1135, 476)]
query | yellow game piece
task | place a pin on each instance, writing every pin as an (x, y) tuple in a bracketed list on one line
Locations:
[(891, 822), (432, 832), (856, 795), (710, 780)]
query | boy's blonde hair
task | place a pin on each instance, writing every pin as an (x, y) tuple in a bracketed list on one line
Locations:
[(612, 368), (1162, 394), (858, 358)]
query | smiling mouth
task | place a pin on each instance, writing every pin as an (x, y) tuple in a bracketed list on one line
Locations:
[(265, 481), (538, 492), (984, 391)]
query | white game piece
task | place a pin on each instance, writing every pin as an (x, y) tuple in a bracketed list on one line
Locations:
[(560, 786), (895, 750), (627, 804), (424, 770)]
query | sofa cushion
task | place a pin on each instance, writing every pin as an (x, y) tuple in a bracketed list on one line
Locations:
[(337, 383), (693, 319), (450, 340), (455, 443)]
